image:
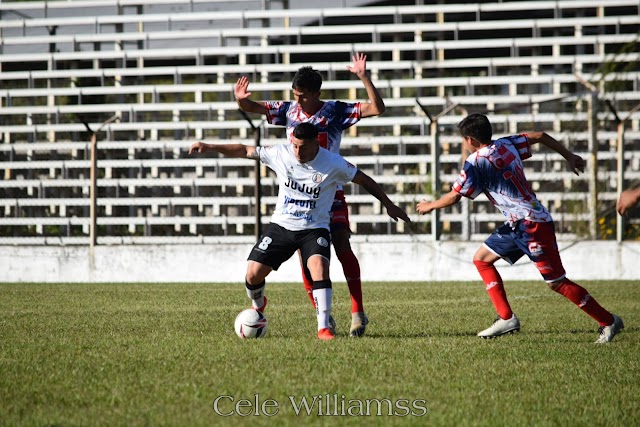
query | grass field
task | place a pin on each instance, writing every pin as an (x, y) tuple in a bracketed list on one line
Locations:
[(161, 354)]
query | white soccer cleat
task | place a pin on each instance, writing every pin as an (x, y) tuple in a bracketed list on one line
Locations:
[(608, 332), (359, 322), (501, 327)]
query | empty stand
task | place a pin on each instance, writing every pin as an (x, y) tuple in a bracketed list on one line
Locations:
[(165, 70)]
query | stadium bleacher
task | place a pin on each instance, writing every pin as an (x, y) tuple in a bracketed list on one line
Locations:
[(165, 71)]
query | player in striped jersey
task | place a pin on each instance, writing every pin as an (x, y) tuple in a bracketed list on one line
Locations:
[(495, 169), (331, 118)]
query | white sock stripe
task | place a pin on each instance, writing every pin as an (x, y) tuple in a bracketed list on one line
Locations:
[(584, 300)]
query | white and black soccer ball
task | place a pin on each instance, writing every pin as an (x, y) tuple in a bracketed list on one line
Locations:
[(251, 323)]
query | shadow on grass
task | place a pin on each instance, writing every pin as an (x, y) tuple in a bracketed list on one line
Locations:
[(474, 334), (421, 335), (556, 332), (577, 331)]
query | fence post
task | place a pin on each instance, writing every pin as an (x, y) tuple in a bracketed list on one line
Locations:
[(93, 186), (258, 188), (93, 200), (593, 156), (436, 227), (257, 135), (620, 179), (434, 131)]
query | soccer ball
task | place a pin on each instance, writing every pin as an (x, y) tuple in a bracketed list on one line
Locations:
[(251, 323)]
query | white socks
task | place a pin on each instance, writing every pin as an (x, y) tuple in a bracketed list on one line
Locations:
[(322, 298), (256, 293)]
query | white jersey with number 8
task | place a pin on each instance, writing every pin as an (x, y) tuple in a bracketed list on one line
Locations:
[(306, 190)]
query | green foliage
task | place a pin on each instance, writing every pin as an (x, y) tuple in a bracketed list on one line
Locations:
[(577, 227), (607, 230), (160, 354), (22, 231), (616, 64)]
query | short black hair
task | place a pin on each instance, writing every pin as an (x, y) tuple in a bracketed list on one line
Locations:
[(476, 126), (306, 131), (307, 78)]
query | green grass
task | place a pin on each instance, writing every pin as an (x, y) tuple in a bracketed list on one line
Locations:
[(160, 354)]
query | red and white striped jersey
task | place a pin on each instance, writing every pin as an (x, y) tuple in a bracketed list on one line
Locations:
[(496, 170), (330, 120)]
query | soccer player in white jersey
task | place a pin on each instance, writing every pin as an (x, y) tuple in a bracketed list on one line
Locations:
[(307, 178), (495, 169), (330, 118)]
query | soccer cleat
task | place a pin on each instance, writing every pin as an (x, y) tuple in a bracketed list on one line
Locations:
[(359, 322), (608, 332), (501, 327), (325, 334), (332, 324), (261, 309)]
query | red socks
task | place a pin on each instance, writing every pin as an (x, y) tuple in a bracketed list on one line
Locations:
[(580, 297), (351, 269), (565, 287), (495, 288), (308, 284)]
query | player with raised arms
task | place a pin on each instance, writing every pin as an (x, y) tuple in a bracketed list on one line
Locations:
[(495, 169), (331, 118), (307, 177)]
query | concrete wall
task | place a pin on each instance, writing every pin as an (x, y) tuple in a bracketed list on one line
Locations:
[(384, 258)]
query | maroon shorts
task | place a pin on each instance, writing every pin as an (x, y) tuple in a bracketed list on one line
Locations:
[(537, 240), (339, 212)]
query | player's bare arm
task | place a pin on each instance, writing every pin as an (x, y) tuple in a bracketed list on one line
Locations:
[(449, 199), (576, 163), (242, 94), (366, 182), (375, 106), (229, 150), (628, 199)]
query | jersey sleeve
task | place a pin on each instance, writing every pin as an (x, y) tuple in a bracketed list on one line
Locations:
[(347, 170), (521, 144), (277, 112), (267, 154), (349, 113), (468, 184)]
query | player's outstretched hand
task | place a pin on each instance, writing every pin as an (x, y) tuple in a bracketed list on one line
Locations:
[(577, 164), (240, 88), (359, 67), (424, 207), (396, 212), (198, 147), (628, 199)]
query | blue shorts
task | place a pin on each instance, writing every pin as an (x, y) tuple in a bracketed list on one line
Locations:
[(537, 240)]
